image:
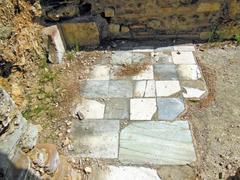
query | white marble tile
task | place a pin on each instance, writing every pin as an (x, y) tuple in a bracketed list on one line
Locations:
[(123, 173), (193, 93), (146, 74), (144, 49), (95, 138), (90, 109), (157, 142), (189, 72), (144, 89), (100, 72), (142, 108), (167, 88), (186, 48), (183, 57)]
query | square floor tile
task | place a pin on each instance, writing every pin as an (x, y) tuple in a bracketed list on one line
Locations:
[(167, 88), (168, 49), (189, 72), (104, 59), (100, 72), (95, 138), (183, 57), (121, 57), (157, 142), (169, 108), (91, 109), (145, 74), (116, 74), (165, 72), (95, 88), (144, 88), (120, 88), (117, 108), (142, 108), (161, 58), (141, 57)]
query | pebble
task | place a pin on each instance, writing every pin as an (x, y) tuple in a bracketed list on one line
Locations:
[(80, 115), (229, 166), (66, 142), (87, 170), (69, 130), (68, 123), (70, 147)]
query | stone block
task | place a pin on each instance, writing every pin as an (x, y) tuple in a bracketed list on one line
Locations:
[(80, 34), (56, 46), (114, 28), (109, 12), (125, 29), (208, 7)]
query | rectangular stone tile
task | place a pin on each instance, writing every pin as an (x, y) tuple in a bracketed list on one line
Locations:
[(142, 108), (100, 72), (95, 138), (164, 49), (123, 173), (121, 57), (167, 88), (165, 72), (94, 88), (189, 72), (144, 89), (145, 74), (157, 142), (170, 108), (117, 108), (184, 48), (91, 109), (120, 88), (143, 49), (183, 57)]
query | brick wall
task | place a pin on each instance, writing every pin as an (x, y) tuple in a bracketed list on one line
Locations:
[(141, 19)]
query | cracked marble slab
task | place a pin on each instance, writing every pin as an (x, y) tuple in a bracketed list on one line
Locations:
[(142, 108)]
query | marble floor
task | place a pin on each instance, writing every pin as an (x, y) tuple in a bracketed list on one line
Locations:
[(149, 103)]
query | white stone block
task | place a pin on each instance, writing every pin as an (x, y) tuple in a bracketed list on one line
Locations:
[(56, 45)]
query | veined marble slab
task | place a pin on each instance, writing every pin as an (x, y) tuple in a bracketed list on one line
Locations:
[(157, 142)]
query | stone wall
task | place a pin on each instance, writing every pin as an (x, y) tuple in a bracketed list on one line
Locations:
[(145, 19)]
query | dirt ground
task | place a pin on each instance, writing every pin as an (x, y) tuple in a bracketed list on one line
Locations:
[(216, 120)]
